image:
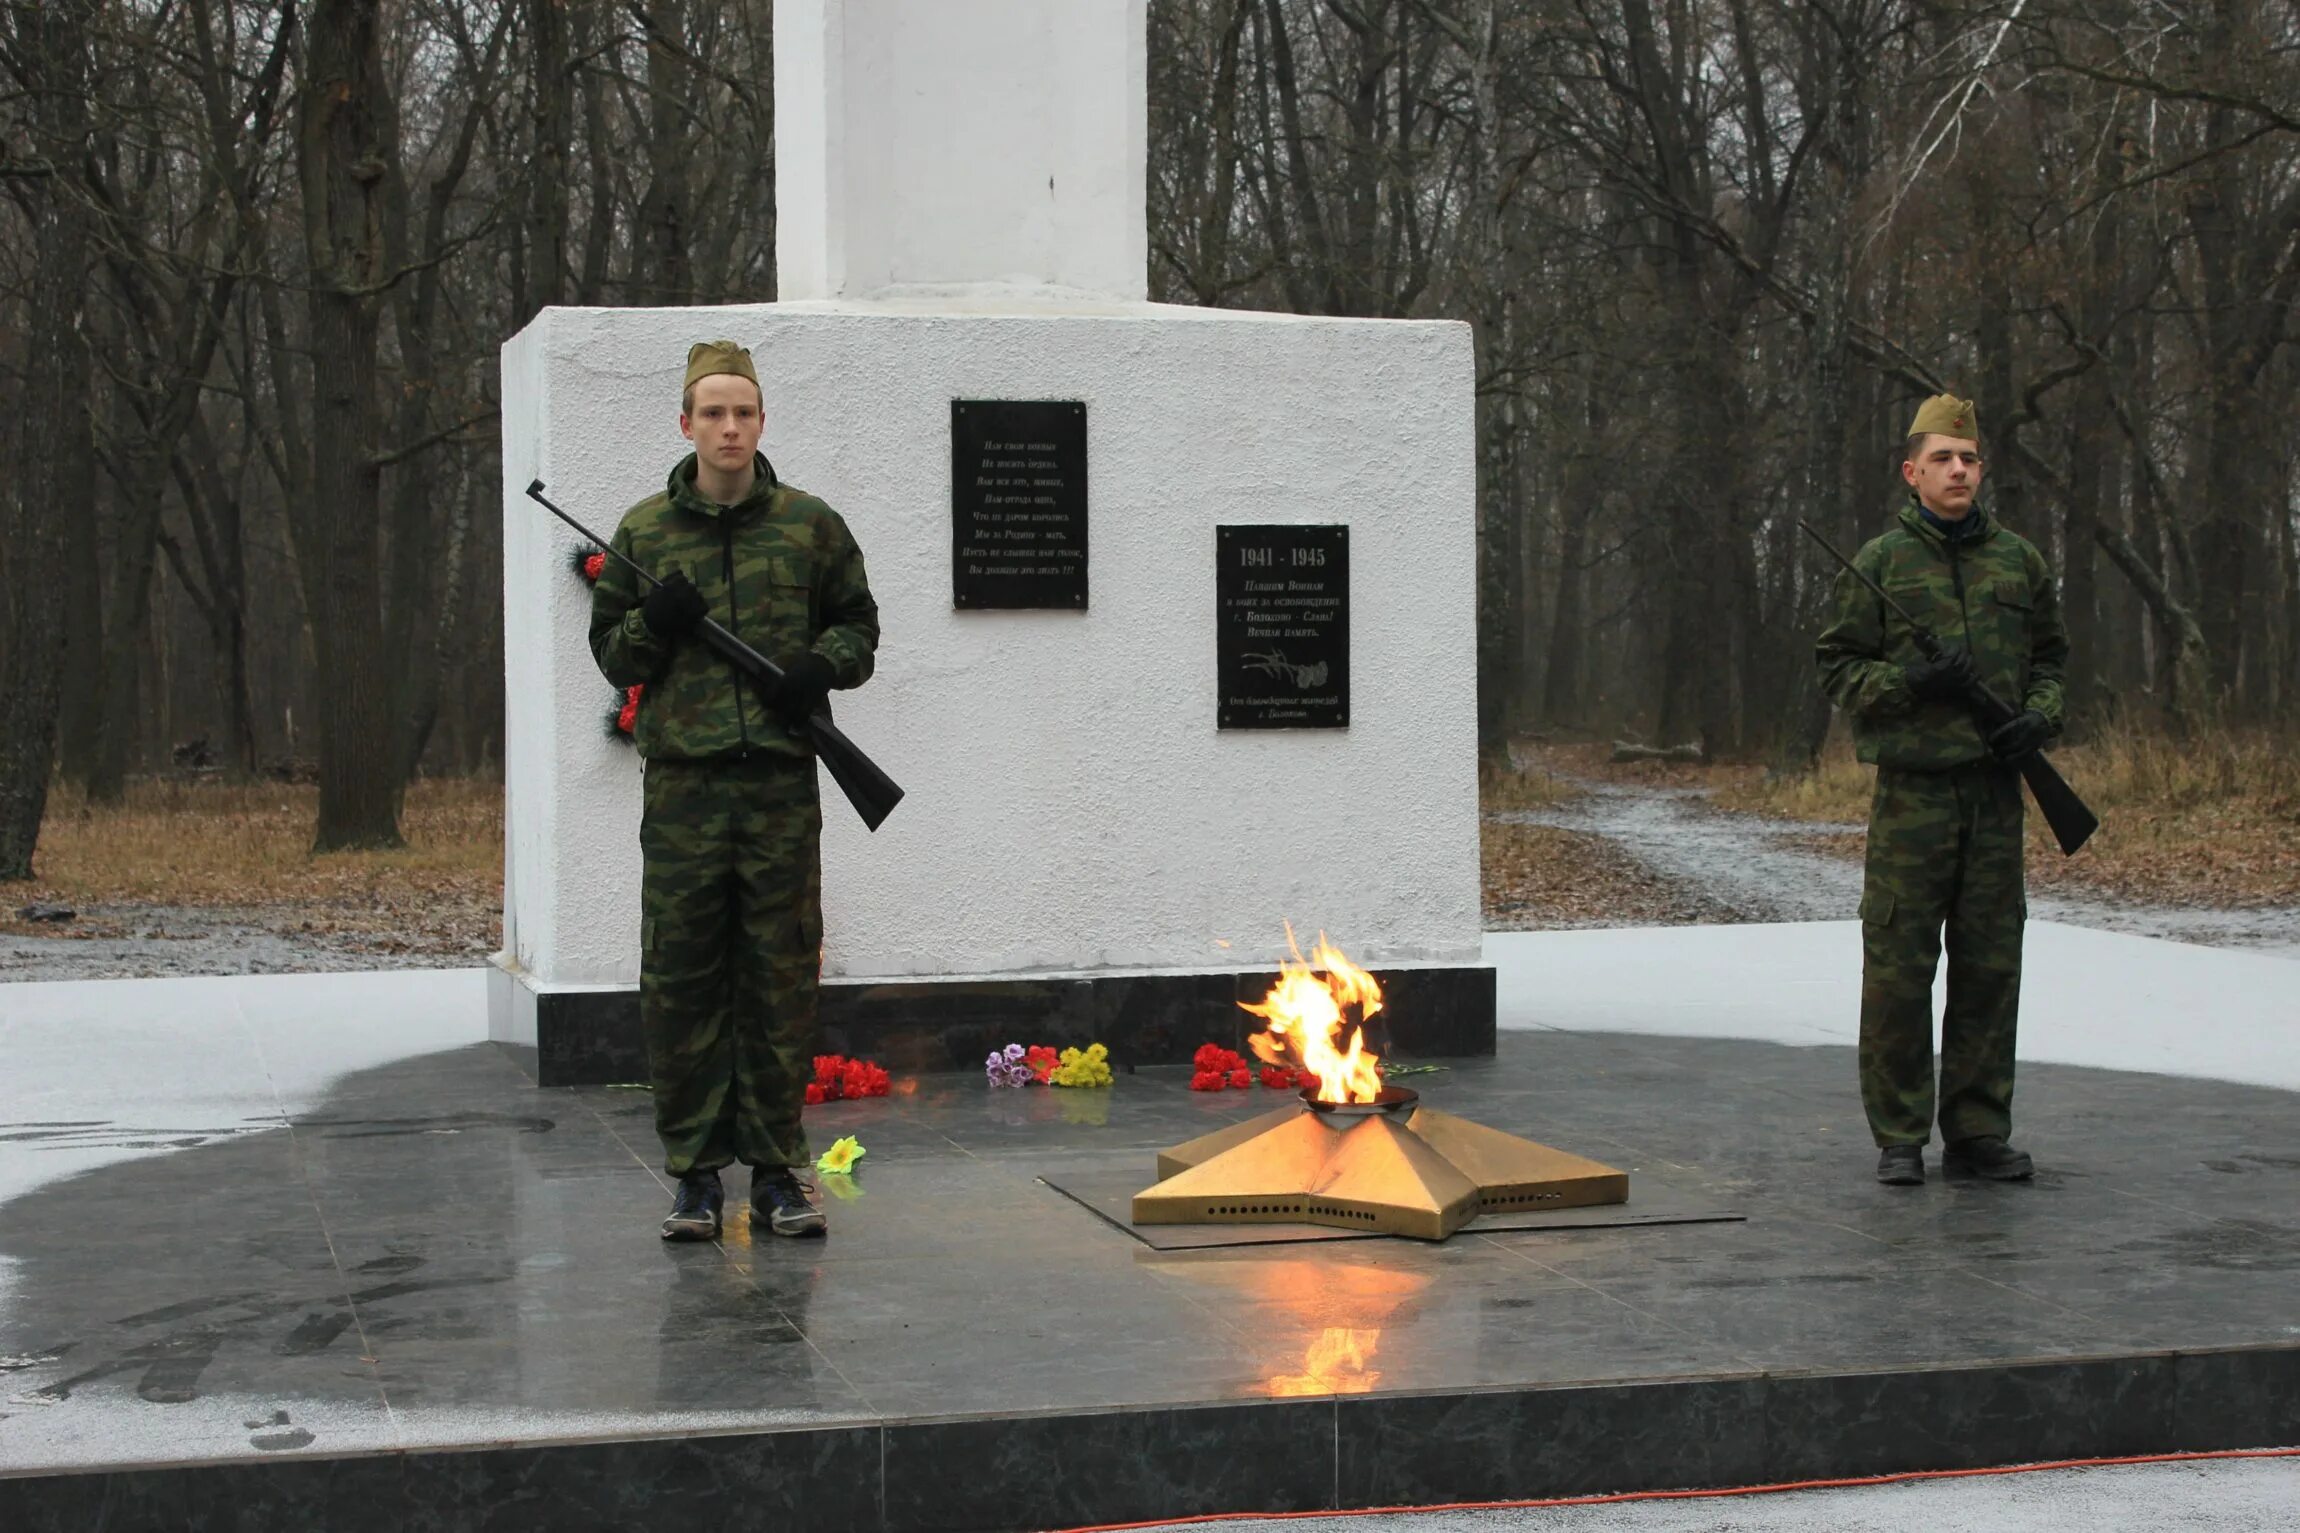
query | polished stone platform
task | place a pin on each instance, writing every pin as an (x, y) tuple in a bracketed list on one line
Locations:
[(288, 1267)]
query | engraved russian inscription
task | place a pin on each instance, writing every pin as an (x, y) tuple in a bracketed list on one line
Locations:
[(1282, 627), (1018, 503)]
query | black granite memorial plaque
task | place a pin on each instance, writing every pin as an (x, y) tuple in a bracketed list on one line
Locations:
[(1018, 503), (1282, 627)]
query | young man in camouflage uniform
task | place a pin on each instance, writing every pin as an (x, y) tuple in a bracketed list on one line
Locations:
[(730, 901), (1945, 824)]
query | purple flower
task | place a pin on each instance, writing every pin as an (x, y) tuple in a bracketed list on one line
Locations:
[(1007, 1067)]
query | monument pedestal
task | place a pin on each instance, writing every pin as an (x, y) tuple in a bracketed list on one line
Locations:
[(1084, 849), (588, 1035)]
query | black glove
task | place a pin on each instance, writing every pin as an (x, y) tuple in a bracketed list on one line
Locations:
[(2019, 736), (674, 607), (1945, 678), (806, 683)]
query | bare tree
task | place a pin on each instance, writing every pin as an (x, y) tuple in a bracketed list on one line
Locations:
[(47, 56)]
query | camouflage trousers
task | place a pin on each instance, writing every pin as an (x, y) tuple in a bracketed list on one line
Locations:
[(730, 945), (1944, 851)]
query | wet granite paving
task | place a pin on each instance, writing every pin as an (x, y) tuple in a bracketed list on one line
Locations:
[(439, 1255)]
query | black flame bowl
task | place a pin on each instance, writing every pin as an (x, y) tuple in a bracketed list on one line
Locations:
[(1392, 1099)]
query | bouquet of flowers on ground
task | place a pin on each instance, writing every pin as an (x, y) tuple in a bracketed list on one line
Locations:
[(1017, 1065), (838, 1078), (1009, 1066), (1214, 1068), (1089, 1066)]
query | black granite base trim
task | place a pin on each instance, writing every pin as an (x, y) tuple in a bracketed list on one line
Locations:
[(1104, 1467), (1157, 1462), (592, 1037), (822, 1480), (1516, 1445), (1831, 1425), (2239, 1397)]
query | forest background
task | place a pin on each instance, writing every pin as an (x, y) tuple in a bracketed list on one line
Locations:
[(257, 258)]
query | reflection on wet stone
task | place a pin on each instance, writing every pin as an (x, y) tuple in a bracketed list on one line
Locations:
[(499, 1282)]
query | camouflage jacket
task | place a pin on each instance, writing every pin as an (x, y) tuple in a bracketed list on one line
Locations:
[(779, 571), (1989, 592)]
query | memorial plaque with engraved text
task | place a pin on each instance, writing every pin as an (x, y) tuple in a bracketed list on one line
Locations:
[(1018, 503), (1282, 627)]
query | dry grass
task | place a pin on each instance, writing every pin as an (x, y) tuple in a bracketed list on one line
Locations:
[(2211, 821), (1530, 782), (247, 846), (1835, 793)]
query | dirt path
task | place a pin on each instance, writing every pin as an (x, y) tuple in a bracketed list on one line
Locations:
[(1728, 867), (138, 941)]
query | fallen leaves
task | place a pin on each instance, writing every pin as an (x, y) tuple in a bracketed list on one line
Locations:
[(1536, 876)]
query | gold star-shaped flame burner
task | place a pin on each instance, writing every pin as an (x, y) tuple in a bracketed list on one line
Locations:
[(1392, 1167)]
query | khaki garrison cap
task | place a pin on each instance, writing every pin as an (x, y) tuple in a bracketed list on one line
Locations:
[(708, 359), (1947, 415)]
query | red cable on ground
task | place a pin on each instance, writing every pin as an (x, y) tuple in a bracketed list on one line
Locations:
[(1695, 1495)]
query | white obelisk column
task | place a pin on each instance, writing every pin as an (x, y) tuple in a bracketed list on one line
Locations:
[(931, 145)]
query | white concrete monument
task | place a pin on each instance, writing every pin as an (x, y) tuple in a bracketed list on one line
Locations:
[(1086, 850)]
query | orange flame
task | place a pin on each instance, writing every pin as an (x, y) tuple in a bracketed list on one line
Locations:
[(1306, 1010)]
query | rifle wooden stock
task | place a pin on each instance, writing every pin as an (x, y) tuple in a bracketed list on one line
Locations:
[(2072, 821), (870, 790)]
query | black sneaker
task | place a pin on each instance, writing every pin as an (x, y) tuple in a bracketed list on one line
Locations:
[(695, 1210), (1987, 1155), (783, 1203), (1902, 1165)]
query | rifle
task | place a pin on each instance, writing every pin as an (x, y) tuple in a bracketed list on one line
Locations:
[(2071, 821), (871, 791)]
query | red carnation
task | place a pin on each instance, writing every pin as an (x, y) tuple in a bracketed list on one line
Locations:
[(1239, 1079), (593, 565), (627, 718), (1208, 1080), (1213, 1058), (815, 1095), (1277, 1077), (861, 1078), (828, 1067)]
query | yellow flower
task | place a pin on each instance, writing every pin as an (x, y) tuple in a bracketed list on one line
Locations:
[(840, 1158), (1083, 1067)]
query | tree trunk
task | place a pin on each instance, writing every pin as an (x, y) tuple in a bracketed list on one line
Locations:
[(545, 238), (221, 590), (659, 243), (347, 145), (142, 485), (1578, 505), (2188, 704), (59, 446), (80, 713)]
